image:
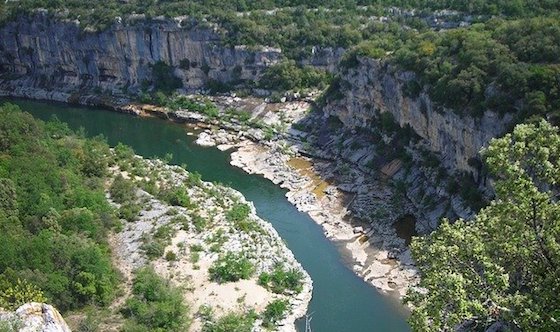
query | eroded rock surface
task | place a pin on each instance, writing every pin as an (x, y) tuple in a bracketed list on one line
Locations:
[(33, 317)]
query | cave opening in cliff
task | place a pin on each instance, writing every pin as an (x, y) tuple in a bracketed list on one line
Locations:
[(405, 227)]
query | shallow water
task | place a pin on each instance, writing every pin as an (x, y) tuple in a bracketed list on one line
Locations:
[(341, 300)]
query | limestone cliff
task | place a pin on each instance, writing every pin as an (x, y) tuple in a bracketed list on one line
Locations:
[(439, 144), (33, 317), (44, 53), (373, 87)]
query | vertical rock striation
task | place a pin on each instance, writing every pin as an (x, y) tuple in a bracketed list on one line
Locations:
[(45, 53), (373, 87)]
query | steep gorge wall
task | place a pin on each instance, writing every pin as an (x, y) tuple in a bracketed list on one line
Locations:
[(43, 53), (373, 87)]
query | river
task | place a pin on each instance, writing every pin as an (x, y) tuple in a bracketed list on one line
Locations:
[(341, 300)]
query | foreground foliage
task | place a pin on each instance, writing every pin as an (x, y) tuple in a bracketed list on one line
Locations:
[(53, 215), (504, 266)]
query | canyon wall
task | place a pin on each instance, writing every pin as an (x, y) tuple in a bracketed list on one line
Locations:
[(42, 52), (373, 87)]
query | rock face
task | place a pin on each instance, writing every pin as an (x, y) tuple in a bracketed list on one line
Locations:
[(34, 317), (324, 57), (42, 52), (373, 87)]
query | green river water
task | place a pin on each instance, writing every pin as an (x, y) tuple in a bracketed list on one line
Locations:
[(341, 300)]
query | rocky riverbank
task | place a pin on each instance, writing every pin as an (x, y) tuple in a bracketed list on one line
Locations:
[(338, 202)]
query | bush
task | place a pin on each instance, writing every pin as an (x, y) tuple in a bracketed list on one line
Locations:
[(274, 312), (123, 152), (122, 190), (154, 249), (170, 256), (231, 322), (194, 179), (176, 196), (238, 215), (280, 280), (238, 212), (199, 223), (13, 295), (129, 211), (155, 305), (231, 267), (289, 76), (164, 232)]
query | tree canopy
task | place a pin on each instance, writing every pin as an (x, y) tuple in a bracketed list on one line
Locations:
[(503, 267), (54, 216)]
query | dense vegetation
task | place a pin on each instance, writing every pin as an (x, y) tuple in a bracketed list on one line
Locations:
[(490, 66), (503, 266), (495, 65), (484, 7), (289, 76), (54, 216)]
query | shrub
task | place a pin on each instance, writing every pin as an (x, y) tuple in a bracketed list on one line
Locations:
[(194, 179), (199, 223), (13, 295), (155, 305), (280, 280), (164, 232), (194, 256), (122, 190), (170, 256), (274, 312), (129, 211), (182, 221), (176, 196), (238, 212), (289, 76), (123, 152), (231, 267), (154, 249), (231, 322)]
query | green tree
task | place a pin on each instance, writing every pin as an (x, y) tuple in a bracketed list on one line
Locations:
[(503, 267), (54, 216), (8, 200)]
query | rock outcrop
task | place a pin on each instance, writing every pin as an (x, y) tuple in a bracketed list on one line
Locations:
[(360, 126), (43, 52), (374, 87), (33, 317)]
